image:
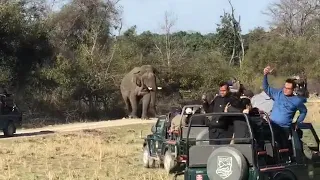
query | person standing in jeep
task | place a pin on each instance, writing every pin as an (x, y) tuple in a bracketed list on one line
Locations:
[(284, 108), (218, 128)]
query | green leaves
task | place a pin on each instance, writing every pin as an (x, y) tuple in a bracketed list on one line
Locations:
[(71, 59)]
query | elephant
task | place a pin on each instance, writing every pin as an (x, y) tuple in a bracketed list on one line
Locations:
[(140, 83)]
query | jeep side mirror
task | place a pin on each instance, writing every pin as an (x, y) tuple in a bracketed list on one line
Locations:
[(153, 129)]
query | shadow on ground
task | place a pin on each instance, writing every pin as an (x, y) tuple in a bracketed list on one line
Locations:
[(30, 134)]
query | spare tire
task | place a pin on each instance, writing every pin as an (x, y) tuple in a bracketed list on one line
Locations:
[(203, 135), (284, 175), (227, 163)]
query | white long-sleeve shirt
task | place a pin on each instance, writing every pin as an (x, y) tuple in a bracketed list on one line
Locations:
[(263, 102)]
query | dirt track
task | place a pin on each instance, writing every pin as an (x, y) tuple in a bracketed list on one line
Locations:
[(24, 133), (49, 130)]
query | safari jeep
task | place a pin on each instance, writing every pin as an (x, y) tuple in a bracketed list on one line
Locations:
[(10, 115), (168, 148), (248, 161)]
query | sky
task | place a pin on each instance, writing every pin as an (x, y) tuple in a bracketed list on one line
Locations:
[(191, 15)]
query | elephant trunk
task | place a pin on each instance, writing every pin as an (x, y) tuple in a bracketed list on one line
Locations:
[(151, 79)]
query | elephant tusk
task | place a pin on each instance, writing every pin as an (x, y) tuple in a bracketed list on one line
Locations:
[(159, 88), (150, 88)]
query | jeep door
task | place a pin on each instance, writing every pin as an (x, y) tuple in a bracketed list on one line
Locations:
[(310, 142)]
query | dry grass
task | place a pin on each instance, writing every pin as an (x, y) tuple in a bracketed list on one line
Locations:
[(313, 112), (111, 154)]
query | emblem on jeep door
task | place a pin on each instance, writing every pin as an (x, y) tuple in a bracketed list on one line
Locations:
[(224, 166)]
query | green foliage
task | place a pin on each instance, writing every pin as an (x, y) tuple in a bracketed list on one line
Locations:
[(67, 62), (227, 37)]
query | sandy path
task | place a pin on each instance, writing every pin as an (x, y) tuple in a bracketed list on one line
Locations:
[(24, 133)]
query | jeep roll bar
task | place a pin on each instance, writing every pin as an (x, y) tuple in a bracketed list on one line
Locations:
[(221, 114), (252, 141), (270, 127)]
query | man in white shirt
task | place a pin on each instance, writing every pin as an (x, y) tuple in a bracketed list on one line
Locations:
[(263, 102)]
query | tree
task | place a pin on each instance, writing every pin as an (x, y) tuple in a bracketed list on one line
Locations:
[(169, 47), (171, 51), (82, 35), (229, 37), (295, 18)]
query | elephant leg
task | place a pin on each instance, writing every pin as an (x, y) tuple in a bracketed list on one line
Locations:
[(134, 106), (152, 104), (127, 103), (145, 105), (128, 106)]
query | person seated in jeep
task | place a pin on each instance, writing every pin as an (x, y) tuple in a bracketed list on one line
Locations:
[(198, 120), (173, 112), (177, 122), (263, 102), (240, 127)]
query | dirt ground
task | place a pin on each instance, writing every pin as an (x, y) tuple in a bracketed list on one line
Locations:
[(49, 130), (108, 150)]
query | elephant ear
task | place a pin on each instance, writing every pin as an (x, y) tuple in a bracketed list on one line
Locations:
[(137, 80), (155, 71)]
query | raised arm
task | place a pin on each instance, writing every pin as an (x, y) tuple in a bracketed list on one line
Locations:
[(270, 91), (303, 112), (205, 106)]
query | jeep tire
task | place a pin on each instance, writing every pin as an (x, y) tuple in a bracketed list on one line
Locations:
[(9, 130), (148, 162), (168, 162), (227, 163)]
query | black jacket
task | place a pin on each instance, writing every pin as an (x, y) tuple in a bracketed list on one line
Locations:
[(218, 104)]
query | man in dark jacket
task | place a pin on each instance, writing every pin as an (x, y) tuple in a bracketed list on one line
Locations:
[(217, 103), (218, 126)]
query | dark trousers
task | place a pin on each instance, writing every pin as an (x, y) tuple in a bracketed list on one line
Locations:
[(241, 130), (219, 133), (281, 135)]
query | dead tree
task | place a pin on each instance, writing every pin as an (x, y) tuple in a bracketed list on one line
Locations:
[(237, 37)]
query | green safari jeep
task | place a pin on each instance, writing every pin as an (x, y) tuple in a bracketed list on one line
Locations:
[(167, 148), (256, 157)]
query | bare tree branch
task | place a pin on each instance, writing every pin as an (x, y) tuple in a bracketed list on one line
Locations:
[(295, 18), (170, 48)]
